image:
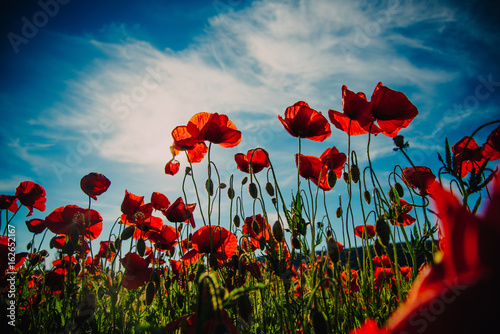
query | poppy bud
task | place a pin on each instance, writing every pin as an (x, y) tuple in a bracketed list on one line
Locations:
[(209, 186), (150, 293), (383, 231), (214, 263), (329, 272), (141, 247), (355, 173), (188, 171), (74, 236), (252, 189), (236, 221), (296, 243), (274, 200), (278, 232), (155, 278), (379, 249), (77, 268), (230, 193), (244, 308), (319, 322), (128, 232), (43, 253), (392, 198), (399, 141), (339, 212), (179, 228), (245, 179), (399, 189), (333, 250), (331, 178), (262, 243), (255, 227), (346, 177), (118, 244), (222, 185), (367, 196), (270, 189)]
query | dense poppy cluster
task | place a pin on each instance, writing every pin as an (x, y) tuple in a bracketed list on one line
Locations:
[(225, 264)]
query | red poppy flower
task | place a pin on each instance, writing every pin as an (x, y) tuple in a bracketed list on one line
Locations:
[(211, 240), (165, 239), (184, 141), (357, 118), (94, 184), (467, 158), (363, 233), (302, 121), (172, 167), (256, 231), (160, 201), (404, 219), (179, 212), (105, 251), (258, 157), (8, 202), (36, 226), (143, 226), (137, 271), (215, 128), (316, 169), (63, 219), (132, 205), (383, 276), (491, 148), (392, 110), (6, 244), (351, 280), (411, 178), (31, 195)]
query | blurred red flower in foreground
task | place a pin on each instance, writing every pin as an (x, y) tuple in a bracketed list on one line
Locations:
[(411, 178), (491, 148), (63, 219), (212, 325), (302, 121), (455, 295), (94, 184), (391, 109), (31, 195), (258, 157), (211, 240)]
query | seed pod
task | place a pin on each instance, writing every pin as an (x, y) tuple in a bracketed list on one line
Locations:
[(296, 243), (274, 200), (332, 178), (244, 308), (187, 171), (222, 185), (255, 227), (141, 247), (236, 221), (112, 247), (77, 268), (245, 179), (74, 236), (383, 231), (333, 250), (399, 189), (252, 189), (278, 232), (150, 293), (355, 173), (213, 262), (339, 212), (399, 141), (155, 278), (118, 244), (230, 193), (379, 249), (179, 228), (128, 232), (262, 243), (209, 186), (367, 196), (329, 233), (319, 322), (346, 177), (270, 189), (329, 272), (392, 198)]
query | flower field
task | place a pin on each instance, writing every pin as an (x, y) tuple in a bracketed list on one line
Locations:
[(428, 260)]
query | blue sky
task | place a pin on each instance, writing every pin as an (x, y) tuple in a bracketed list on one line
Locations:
[(98, 86)]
